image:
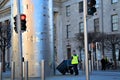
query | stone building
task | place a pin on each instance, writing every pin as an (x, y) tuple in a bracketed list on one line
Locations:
[(68, 21)]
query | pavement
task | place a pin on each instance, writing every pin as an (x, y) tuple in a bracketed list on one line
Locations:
[(95, 75)]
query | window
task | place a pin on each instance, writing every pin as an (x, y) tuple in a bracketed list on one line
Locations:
[(68, 10), (54, 31), (68, 31), (81, 6), (0, 24), (96, 25), (81, 27), (97, 3), (7, 22), (114, 1), (114, 22)]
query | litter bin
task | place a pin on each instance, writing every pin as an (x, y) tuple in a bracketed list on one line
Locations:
[(65, 67)]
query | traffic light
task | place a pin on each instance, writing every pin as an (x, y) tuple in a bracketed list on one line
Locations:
[(15, 24), (23, 22), (91, 7)]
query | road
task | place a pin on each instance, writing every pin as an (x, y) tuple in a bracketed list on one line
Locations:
[(95, 75)]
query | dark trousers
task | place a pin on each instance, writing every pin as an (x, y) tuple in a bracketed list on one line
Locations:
[(103, 66), (75, 69)]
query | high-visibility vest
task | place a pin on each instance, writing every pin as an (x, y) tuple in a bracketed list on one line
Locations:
[(74, 59)]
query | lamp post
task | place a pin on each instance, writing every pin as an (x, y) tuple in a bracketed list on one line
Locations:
[(85, 39), (19, 40)]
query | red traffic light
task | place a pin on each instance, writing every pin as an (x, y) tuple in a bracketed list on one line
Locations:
[(22, 16), (23, 22)]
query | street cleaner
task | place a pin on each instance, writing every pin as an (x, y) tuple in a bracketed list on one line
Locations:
[(74, 62)]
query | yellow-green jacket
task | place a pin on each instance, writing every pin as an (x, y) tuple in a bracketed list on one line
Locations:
[(74, 59)]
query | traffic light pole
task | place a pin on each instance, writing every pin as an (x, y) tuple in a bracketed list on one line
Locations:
[(19, 40), (85, 40)]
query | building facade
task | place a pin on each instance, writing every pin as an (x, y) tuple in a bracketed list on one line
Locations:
[(5, 18), (68, 22)]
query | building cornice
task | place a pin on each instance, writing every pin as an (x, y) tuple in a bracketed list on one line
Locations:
[(8, 9), (4, 10), (3, 2), (59, 1), (5, 13)]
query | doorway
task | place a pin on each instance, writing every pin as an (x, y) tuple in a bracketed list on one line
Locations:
[(68, 53)]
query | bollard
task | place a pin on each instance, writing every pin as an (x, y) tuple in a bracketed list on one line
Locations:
[(92, 60), (83, 66), (13, 71), (42, 70), (26, 70), (97, 65), (0, 71), (90, 66)]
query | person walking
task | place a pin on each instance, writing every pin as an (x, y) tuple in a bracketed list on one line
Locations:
[(74, 62), (107, 63), (103, 63)]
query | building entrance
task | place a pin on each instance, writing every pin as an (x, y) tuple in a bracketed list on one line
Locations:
[(68, 53)]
